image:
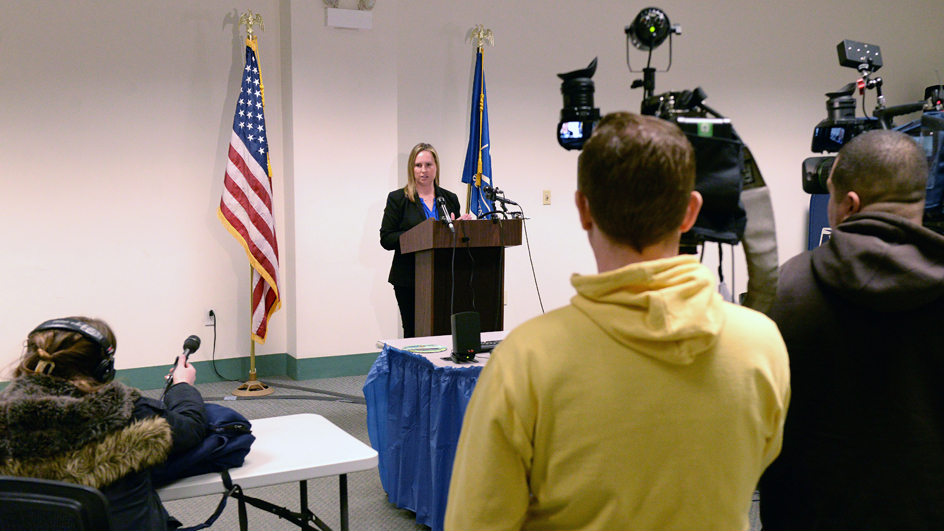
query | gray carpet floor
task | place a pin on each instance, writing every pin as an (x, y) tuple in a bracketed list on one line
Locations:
[(369, 508)]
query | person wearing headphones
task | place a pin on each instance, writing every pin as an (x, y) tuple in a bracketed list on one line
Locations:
[(64, 418)]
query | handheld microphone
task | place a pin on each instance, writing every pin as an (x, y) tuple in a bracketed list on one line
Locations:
[(444, 213), (191, 344)]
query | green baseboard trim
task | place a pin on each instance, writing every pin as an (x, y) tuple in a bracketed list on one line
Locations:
[(237, 369), (331, 366)]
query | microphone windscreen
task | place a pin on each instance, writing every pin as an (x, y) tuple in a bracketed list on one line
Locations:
[(192, 343)]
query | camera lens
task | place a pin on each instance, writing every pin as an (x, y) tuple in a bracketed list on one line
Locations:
[(815, 173), (578, 99)]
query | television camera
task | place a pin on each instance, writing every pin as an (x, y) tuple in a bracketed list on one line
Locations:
[(722, 170), (648, 31), (842, 124), (724, 165)]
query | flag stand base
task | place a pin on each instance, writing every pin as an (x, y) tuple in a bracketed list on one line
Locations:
[(253, 388)]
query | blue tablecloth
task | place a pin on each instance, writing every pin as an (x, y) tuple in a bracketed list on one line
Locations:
[(414, 414)]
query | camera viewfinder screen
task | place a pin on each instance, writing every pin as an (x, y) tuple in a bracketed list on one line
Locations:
[(571, 130), (830, 138)]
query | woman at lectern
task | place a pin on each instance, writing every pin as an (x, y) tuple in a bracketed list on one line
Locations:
[(406, 208)]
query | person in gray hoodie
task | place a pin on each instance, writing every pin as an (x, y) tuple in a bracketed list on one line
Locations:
[(863, 320)]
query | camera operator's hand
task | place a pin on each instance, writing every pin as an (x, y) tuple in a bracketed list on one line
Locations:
[(183, 371)]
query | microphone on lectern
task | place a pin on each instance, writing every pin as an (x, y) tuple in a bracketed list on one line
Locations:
[(495, 194), (444, 213)]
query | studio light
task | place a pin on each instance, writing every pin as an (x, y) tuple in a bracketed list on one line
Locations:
[(649, 29)]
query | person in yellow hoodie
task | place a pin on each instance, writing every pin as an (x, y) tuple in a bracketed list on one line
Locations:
[(648, 402)]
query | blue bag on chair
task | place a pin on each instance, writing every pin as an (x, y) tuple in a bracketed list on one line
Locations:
[(229, 437)]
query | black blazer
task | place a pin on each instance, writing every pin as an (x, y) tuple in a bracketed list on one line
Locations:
[(401, 215)]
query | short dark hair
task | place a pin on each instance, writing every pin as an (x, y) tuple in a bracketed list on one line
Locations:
[(882, 166), (638, 173)]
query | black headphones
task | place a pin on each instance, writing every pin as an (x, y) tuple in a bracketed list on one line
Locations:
[(105, 370)]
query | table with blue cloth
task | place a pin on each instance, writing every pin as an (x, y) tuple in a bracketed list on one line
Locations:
[(415, 405)]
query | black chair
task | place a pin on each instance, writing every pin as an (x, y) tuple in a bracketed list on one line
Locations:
[(28, 504)]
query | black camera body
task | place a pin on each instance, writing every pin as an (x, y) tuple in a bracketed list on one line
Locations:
[(721, 172), (840, 126), (841, 123), (724, 166), (578, 116)]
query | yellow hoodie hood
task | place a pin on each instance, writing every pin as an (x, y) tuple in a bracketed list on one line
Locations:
[(672, 310)]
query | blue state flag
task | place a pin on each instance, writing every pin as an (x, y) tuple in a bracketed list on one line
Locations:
[(478, 162)]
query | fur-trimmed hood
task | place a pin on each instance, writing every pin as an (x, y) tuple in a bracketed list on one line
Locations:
[(50, 429)]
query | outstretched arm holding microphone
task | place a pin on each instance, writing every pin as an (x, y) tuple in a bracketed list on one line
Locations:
[(182, 371)]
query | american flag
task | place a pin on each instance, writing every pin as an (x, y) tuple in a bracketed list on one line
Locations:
[(246, 205)]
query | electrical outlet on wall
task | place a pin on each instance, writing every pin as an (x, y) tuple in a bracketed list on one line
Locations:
[(547, 197), (209, 318)]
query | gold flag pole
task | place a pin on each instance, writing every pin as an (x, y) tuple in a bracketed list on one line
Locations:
[(252, 387), (483, 35)]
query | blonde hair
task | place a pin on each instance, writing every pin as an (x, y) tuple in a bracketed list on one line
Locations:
[(410, 188)]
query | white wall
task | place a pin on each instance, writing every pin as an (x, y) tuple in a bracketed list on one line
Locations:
[(345, 134), (766, 66), (116, 120)]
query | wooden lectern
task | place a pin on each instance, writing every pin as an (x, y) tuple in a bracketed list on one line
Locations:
[(476, 254)]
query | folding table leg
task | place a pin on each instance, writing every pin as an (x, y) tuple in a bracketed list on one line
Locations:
[(306, 514), (342, 488), (303, 495)]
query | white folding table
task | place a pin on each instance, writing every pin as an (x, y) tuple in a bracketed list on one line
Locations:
[(288, 449)]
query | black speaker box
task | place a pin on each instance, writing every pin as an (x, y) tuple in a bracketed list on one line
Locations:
[(466, 336)]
